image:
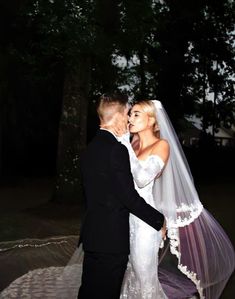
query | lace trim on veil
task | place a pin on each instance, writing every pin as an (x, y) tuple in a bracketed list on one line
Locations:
[(190, 213), (35, 243), (173, 235)]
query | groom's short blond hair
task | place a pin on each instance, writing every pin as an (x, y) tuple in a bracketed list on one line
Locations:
[(109, 105)]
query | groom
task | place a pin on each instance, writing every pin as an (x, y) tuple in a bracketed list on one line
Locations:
[(110, 197)]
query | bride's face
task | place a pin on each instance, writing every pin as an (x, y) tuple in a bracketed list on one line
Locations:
[(139, 120)]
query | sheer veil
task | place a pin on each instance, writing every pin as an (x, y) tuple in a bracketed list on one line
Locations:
[(204, 252)]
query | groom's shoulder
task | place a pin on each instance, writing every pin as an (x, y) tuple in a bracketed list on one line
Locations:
[(119, 150), (105, 143)]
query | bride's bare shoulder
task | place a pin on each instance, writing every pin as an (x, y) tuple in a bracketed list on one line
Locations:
[(162, 143), (161, 149)]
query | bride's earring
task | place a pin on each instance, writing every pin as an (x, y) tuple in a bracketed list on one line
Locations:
[(156, 128), (151, 122)]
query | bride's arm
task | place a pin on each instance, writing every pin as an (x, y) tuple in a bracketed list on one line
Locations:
[(124, 186), (143, 175)]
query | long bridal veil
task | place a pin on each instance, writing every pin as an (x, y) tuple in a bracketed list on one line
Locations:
[(40, 268), (203, 251)]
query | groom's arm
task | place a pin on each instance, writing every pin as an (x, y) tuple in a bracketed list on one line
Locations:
[(125, 189)]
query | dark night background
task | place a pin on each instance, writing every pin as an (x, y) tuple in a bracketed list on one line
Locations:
[(58, 57)]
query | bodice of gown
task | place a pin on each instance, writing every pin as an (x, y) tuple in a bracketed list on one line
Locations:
[(144, 173)]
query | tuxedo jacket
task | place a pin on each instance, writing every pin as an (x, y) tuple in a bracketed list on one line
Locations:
[(110, 197)]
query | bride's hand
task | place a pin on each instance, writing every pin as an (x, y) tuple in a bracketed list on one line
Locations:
[(118, 127), (163, 230), (117, 130)]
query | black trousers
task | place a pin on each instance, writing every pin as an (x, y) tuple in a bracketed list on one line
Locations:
[(102, 275)]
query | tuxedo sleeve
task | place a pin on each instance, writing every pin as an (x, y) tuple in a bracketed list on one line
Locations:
[(126, 192)]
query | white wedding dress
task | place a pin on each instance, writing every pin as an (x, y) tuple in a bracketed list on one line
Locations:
[(141, 277)]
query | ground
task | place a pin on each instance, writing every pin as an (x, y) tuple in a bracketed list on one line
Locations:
[(27, 212)]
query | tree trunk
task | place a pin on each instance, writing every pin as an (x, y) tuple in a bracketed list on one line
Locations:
[(72, 132)]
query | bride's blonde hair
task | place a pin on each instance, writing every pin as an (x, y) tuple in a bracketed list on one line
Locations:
[(149, 108)]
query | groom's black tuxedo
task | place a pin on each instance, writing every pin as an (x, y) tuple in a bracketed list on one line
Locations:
[(110, 197)]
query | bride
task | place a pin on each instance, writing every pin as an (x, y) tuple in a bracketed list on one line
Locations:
[(147, 163), (204, 254), (200, 258)]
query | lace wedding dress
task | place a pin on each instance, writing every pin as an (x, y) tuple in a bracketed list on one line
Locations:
[(141, 277)]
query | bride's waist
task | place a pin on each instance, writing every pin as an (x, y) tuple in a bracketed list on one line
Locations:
[(145, 191)]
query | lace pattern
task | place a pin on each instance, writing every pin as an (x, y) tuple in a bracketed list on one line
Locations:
[(141, 277), (145, 171)]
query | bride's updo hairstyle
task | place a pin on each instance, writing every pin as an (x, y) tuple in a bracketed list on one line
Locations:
[(149, 108)]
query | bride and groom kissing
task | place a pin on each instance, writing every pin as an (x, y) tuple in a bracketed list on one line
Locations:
[(111, 196), (134, 191)]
